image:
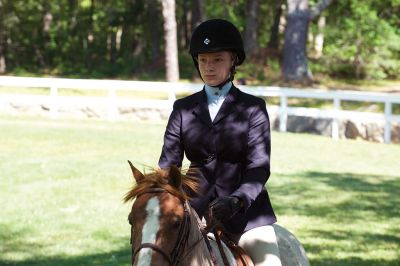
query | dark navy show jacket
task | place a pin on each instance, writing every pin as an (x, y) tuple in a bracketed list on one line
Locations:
[(231, 153)]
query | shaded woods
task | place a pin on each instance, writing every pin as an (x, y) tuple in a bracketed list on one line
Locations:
[(127, 39)]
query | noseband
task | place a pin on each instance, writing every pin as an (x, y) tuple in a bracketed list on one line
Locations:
[(183, 235)]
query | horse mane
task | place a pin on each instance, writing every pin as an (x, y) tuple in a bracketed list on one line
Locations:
[(159, 178)]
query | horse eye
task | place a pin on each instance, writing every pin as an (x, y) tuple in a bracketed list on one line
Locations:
[(176, 222)]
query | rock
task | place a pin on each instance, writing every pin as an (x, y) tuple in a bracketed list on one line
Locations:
[(395, 133), (311, 125), (374, 132), (351, 130)]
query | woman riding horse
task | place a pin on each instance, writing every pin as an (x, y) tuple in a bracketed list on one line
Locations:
[(225, 134)]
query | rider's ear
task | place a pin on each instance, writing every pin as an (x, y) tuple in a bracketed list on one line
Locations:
[(136, 173), (175, 177)]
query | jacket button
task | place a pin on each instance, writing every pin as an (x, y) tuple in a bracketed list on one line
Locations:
[(210, 158)]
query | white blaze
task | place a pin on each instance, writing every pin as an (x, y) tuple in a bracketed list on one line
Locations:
[(150, 229)]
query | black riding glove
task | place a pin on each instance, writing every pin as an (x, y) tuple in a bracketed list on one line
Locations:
[(223, 208)]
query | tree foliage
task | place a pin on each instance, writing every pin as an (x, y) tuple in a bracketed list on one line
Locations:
[(363, 39), (125, 38)]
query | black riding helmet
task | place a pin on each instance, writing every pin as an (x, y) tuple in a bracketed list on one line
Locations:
[(217, 35)]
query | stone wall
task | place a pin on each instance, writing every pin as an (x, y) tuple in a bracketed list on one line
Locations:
[(348, 128), (84, 111)]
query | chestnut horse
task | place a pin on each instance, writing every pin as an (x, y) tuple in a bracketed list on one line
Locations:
[(165, 230)]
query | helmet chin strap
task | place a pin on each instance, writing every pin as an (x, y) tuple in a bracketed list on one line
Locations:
[(229, 79), (219, 86)]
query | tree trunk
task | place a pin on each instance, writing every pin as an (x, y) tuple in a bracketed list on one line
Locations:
[(90, 22), (2, 55), (41, 36), (2, 40), (319, 39), (251, 30), (358, 61), (155, 32), (274, 38), (112, 45), (171, 46), (198, 15), (125, 37), (184, 27), (295, 65), (2, 61), (73, 13), (88, 41), (319, 8)]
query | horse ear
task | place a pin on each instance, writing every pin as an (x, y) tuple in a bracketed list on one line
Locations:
[(175, 177), (136, 173)]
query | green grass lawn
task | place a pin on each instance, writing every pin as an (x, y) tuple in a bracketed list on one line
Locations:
[(62, 183)]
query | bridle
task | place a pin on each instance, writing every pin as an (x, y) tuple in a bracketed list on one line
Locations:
[(176, 254)]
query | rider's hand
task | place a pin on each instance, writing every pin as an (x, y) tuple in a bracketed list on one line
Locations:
[(223, 208)]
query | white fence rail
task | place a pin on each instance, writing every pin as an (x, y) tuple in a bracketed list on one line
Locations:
[(172, 89)]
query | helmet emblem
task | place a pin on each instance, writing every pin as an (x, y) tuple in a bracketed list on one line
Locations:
[(206, 41)]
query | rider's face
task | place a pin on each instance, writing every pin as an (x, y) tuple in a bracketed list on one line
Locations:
[(215, 67)]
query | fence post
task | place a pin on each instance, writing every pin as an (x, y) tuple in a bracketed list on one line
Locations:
[(53, 102), (171, 98), (171, 95), (335, 120), (388, 113), (112, 106), (283, 114)]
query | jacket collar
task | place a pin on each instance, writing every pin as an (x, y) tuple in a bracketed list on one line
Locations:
[(201, 108)]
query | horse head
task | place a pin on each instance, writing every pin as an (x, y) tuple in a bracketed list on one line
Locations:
[(159, 218), (165, 229)]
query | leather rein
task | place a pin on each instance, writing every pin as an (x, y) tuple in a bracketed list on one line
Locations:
[(176, 254)]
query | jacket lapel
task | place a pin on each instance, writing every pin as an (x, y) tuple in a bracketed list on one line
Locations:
[(228, 105), (201, 109)]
